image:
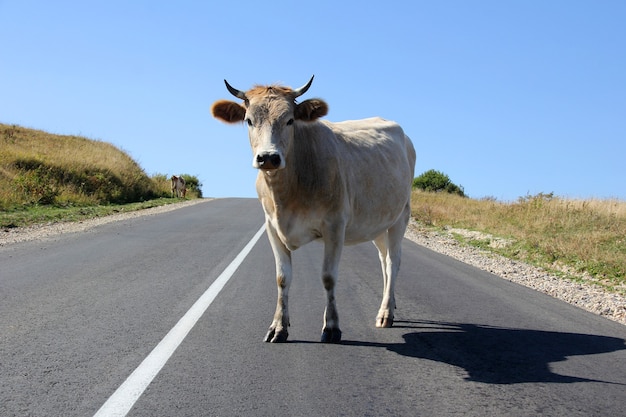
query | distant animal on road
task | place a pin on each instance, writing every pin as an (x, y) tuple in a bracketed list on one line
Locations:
[(179, 188), (343, 183)]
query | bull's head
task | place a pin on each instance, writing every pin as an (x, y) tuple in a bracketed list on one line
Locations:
[(271, 113)]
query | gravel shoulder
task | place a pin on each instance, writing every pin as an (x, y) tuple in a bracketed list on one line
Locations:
[(586, 296)]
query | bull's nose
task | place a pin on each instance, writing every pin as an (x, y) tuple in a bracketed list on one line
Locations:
[(268, 161)]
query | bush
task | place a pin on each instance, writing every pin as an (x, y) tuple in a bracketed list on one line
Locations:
[(437, 181), (194, 185)]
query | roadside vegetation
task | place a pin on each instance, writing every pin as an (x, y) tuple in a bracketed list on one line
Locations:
[(37, 214), (46, 177), (577, 239)]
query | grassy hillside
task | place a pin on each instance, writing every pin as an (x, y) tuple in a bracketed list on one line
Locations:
[(42, 169), (573, 237)]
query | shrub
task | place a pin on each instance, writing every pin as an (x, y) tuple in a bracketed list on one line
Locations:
[(437, 181), (194, 186)]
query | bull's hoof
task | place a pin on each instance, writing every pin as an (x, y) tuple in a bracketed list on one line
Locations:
[(276, 337), (384, 322), (331, 336)]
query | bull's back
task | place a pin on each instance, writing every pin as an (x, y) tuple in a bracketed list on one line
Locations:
[(380, 162)]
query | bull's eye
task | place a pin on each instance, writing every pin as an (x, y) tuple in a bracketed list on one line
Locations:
[(249, 122), (289, 122)]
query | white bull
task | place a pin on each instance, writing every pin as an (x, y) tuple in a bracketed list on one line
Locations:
[(343, 183)]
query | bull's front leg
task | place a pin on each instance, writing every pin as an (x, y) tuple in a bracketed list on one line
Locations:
[(333, 246), (277, 332)]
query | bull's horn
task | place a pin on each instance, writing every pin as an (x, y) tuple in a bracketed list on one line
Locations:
[(234, 91), (303, 89)]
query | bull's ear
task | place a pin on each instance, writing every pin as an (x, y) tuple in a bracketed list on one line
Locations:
[(311, 109), (228, 111)]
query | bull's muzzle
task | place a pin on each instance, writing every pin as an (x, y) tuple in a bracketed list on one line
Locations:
[(268, 161)]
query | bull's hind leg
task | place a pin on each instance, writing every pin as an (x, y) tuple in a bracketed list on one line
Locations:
[(389, 245), (385, 313)]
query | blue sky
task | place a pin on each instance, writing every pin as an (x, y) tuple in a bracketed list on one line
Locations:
[(508, 98)]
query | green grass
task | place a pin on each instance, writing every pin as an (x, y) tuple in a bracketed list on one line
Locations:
[(32, 215)]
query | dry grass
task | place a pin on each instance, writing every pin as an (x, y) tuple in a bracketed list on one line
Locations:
[(576, 237), (49, 178), (41, 168)]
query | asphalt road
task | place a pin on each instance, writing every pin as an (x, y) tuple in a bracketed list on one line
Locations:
[(80, 312)]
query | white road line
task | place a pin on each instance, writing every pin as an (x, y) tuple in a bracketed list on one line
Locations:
[(123, 399)]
